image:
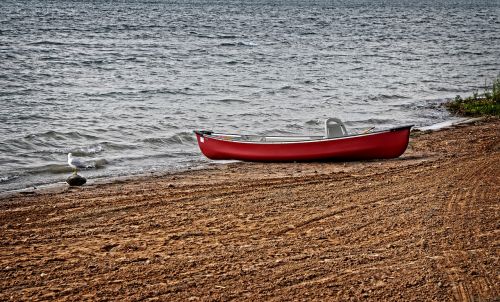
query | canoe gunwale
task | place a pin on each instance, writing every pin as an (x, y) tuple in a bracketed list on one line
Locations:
[(296, 139)]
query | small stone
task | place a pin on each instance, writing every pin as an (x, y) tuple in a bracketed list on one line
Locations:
[(109, 247), (43, 275), (76, 180)]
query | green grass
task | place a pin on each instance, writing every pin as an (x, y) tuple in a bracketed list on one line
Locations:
[(487, 103)]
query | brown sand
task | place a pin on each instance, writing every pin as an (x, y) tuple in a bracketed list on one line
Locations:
[(422, 227)]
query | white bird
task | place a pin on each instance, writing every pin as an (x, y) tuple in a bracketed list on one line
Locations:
[(75, 163)]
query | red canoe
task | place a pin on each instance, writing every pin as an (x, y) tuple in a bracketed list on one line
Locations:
[(389, 143)]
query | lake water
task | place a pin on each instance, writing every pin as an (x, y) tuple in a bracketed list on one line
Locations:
[(122, 84)]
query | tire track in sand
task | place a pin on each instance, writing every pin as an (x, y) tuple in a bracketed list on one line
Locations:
[(471, 283)]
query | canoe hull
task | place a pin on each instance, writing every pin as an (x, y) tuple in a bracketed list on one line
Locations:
[(378, 145)]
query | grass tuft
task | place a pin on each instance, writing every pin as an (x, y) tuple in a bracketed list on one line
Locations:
[(487, 103)]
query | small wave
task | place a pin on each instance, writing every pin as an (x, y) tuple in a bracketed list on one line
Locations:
[(434, 104), (200, 35), (356, 68), (247, 85), (450, 89), (143, 108), (7, 178), (179, 138), (371, 121), (288, 87), (227, 36), (248, 114), (64, 168), (133, 59), (429, 80), (230, 101), (382, 97), (233, 44), (86, 150), (294, 126), (179, 91), (227, 44), (313, 122), (57, 135), (93, 62), (379, 121), (99, 163), (50, 169), (105, 94), (141, 158), (25, 91), (46, 43), (89, 150), (48, 134)]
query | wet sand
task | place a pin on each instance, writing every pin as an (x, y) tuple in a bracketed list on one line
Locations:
[(423, 227)]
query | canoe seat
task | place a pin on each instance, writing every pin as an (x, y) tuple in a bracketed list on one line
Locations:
[(334, 127)]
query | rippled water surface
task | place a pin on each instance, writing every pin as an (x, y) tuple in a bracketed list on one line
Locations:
[(123, 84)]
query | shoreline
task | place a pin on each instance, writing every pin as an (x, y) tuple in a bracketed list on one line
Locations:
[(62, 185), (420, 227)]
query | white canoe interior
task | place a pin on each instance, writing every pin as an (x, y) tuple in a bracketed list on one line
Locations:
[(260, 138), (334, 128)]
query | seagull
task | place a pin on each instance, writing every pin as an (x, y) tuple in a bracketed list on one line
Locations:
[(75, 163)]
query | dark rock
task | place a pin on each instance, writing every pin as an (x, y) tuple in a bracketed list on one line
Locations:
[(76, 180), (109, 247)]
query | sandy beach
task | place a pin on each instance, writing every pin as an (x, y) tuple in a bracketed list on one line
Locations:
[(423, 227)]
